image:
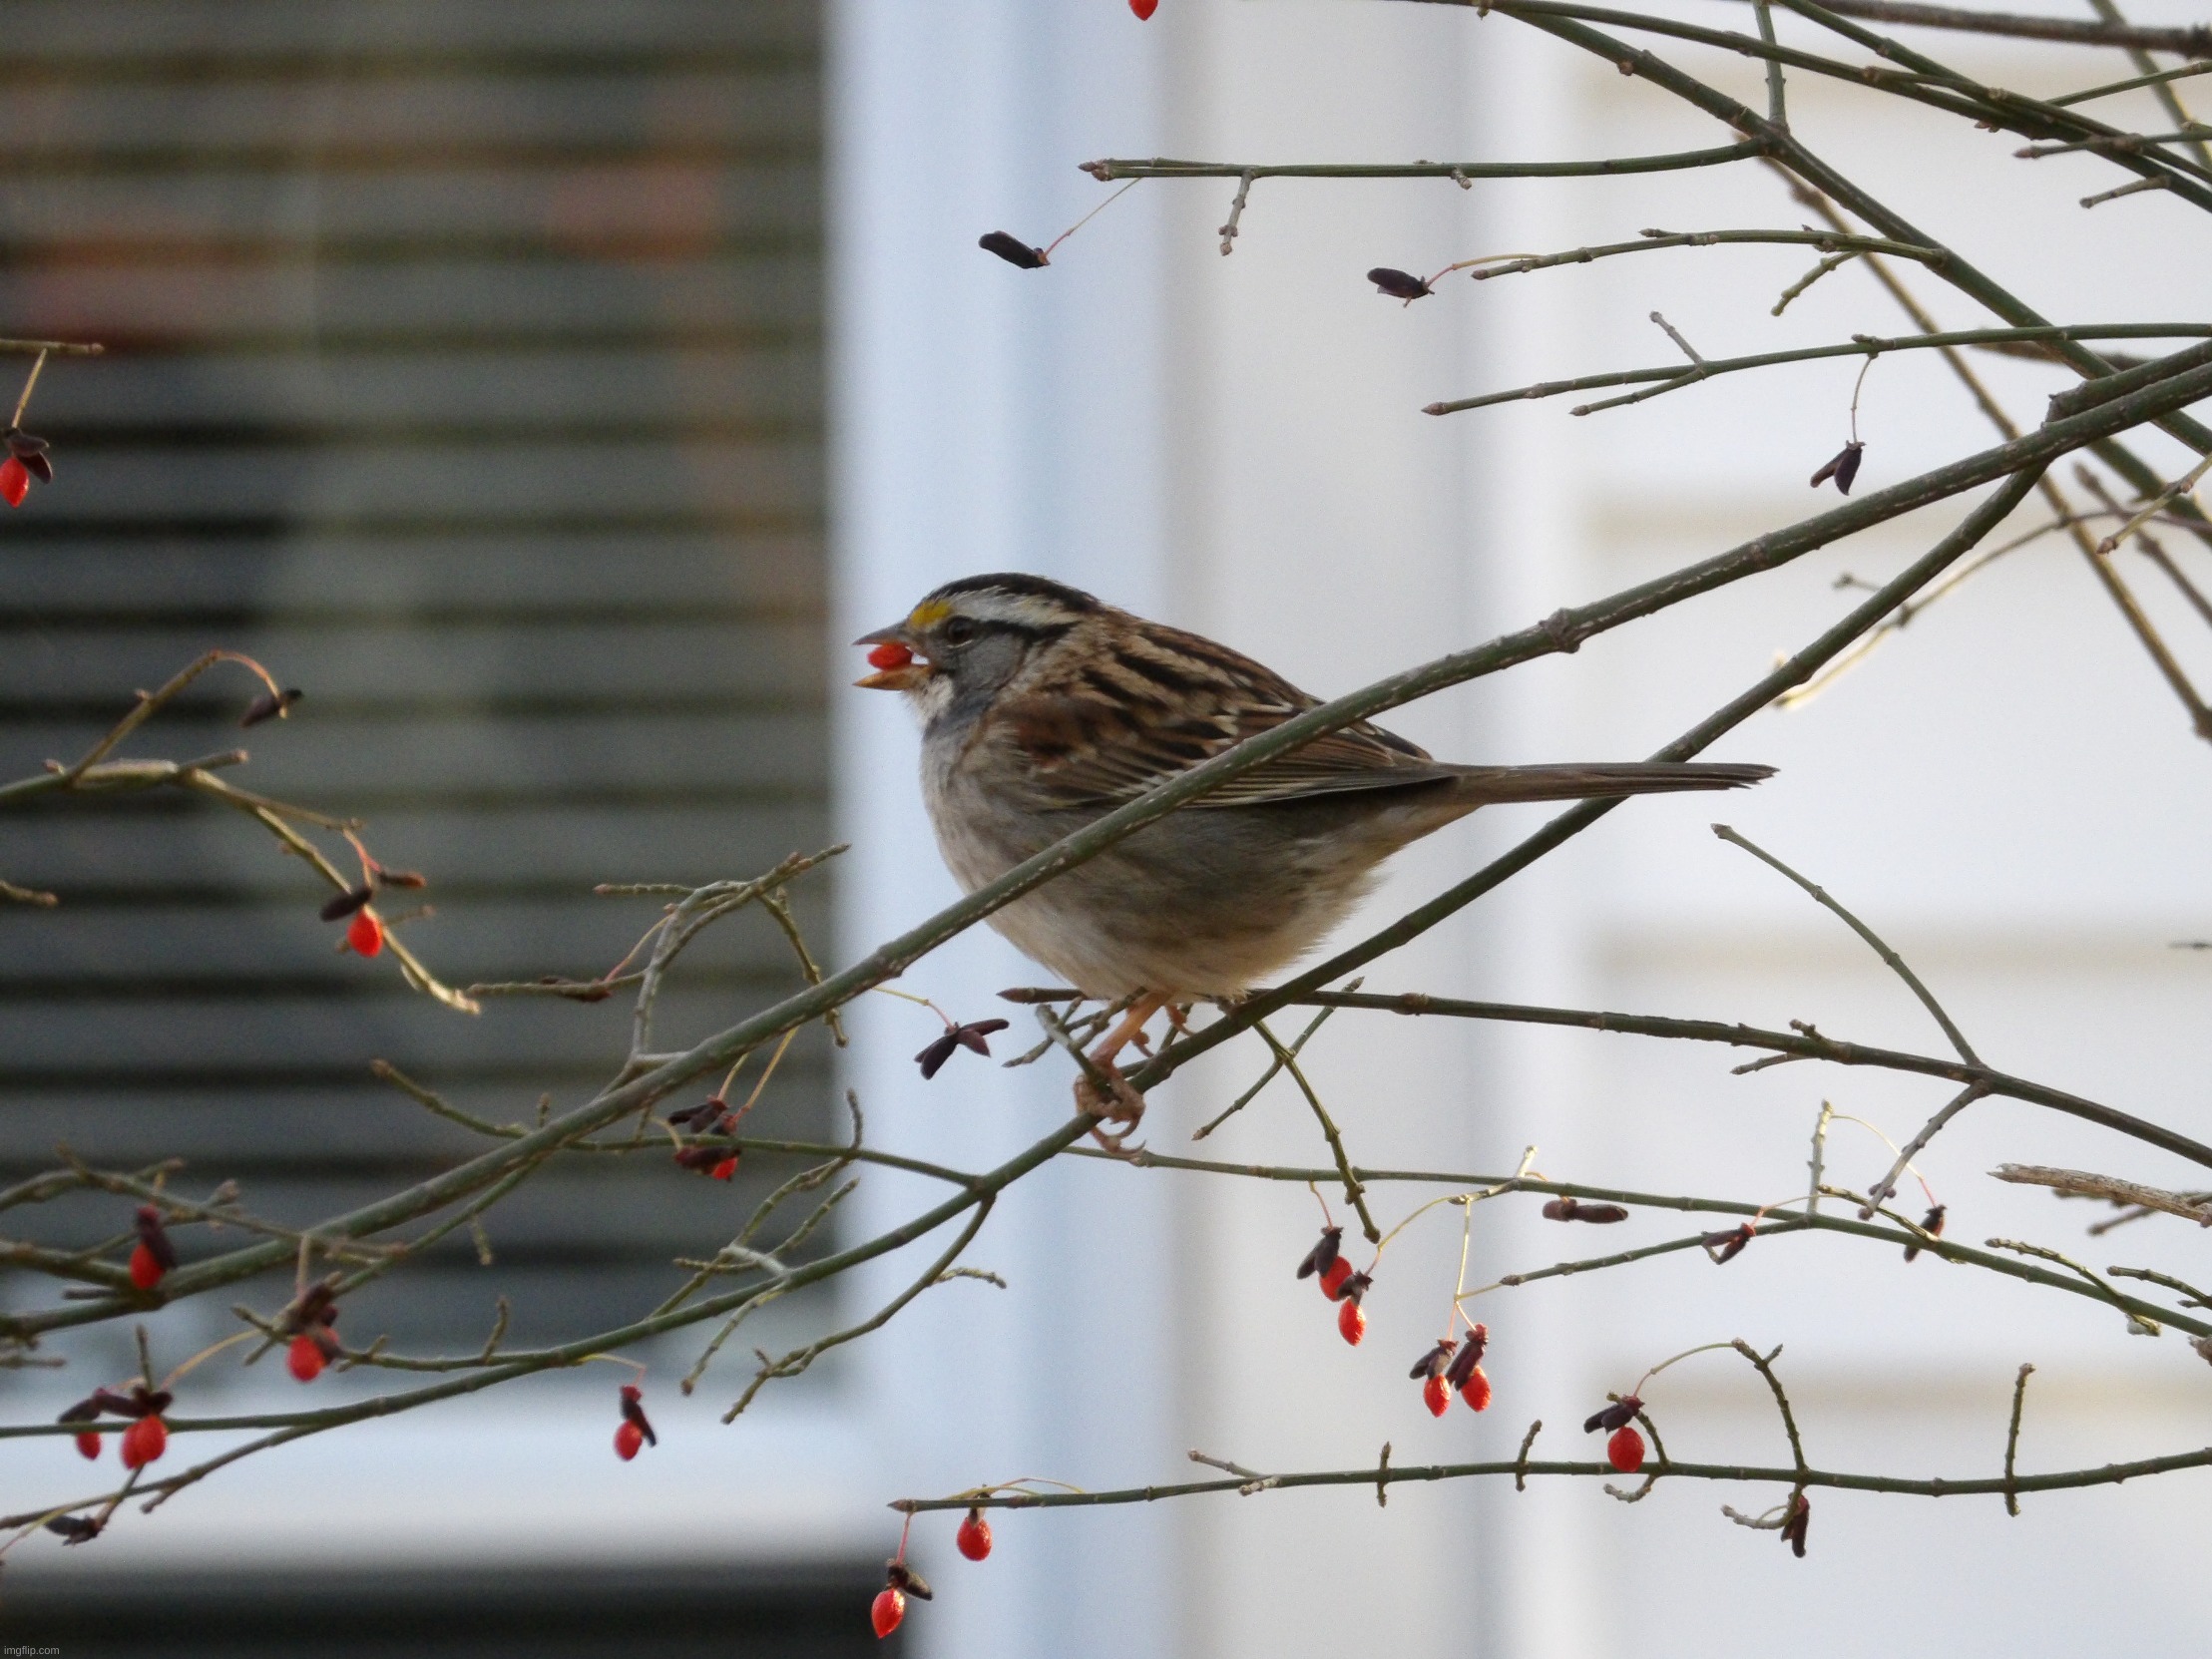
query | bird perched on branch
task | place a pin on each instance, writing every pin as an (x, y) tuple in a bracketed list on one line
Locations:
[(1042, 708)]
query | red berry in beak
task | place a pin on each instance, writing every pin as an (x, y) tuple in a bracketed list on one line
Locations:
[(143, 1442), (367, 935), (889, 1609), (88, 1445), (974, 1536), (1625, 1450), (890, 654)]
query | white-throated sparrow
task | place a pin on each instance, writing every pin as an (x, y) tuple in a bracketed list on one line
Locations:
[(1042, 707)]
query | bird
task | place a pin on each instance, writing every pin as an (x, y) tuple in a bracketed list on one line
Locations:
[(1042, 707)]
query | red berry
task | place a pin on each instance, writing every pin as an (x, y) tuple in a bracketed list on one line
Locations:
[(143, 1442), (304, 1359), (88, 1444), (15, 481), (1143, 9), (890, 654), (367, 935), (1332, 1281), (1475, 1390), (627, 1439), (146, 1267), (1435, 1393), (1625, 1450), (889, 1608), (1351, 1323), (974, 1536), (724, 1170)]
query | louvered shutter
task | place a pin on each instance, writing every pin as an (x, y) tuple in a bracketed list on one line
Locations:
[(466, 370)]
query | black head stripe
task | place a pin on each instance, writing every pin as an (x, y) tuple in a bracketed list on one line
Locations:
[(1015, 583)]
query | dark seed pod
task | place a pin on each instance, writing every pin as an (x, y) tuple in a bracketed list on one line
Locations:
[(1468, 1357), (1013, 253), (1322, 1256), (899, 1576), (346, 903), (1726, 1247), (316, 1305), (410, 879), (932, 1058), (1399, 285), (270, 705), (1574, 1209), (1843, 468), (154, 1236), (1432, 1363), (75, 1529), (1356, 1286), (1931, 1223), (1619, 1414), (83, 1412), (1793, 1529), (635, 1412), (712, 1106), (973, 1034), (31, 453)]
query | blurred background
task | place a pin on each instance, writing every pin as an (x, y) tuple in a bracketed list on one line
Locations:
[(552, 390)]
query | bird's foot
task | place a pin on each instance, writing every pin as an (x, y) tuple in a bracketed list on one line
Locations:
[(1117, 1103)]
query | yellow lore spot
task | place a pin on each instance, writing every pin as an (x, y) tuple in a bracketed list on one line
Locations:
[(928, 613)]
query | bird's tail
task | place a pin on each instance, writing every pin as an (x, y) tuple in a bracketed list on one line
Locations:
[(1492, 784)]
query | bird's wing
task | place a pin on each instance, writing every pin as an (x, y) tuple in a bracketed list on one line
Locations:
[(1164, 701)]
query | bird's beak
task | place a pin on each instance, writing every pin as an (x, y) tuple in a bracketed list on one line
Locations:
[(906, 676)]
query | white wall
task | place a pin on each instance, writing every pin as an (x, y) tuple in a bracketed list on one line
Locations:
[(1234, 445)]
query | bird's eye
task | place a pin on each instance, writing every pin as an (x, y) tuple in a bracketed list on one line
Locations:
[(957, 631)]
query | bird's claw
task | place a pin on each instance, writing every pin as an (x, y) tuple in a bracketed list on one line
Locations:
[(1119, 1103)]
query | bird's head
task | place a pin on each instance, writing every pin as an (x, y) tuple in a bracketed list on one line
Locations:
[(971, 637)]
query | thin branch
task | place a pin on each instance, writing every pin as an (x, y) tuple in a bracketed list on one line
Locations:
[(2158, 78), (1880, 1192), (1777, 109), (1862, 345), (1159, 166), (1805, 1043), (1354, 1194), (1828, 241), (2192, 42), (2012, 1440), (1765, 1365), (791, 1364), (1267, 1076), (2106, 1474), (2138, 1322), (1890, 957), (2079, 1183)]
